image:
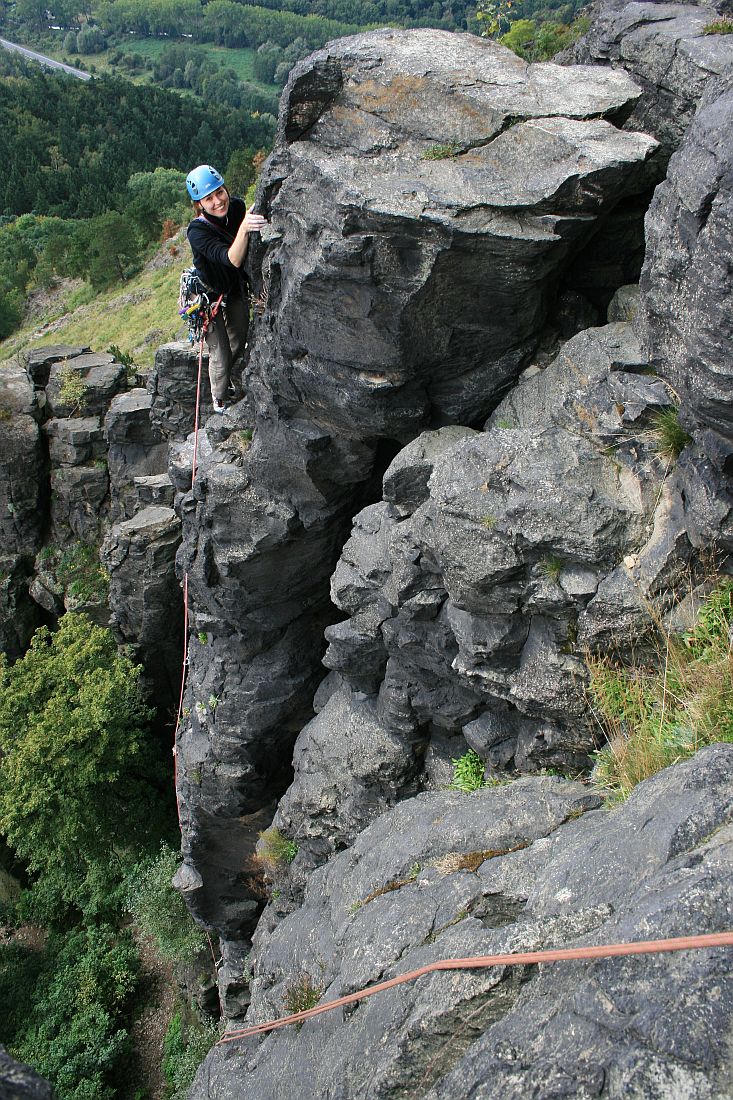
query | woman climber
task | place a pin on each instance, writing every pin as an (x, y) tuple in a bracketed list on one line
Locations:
[(219, 236)]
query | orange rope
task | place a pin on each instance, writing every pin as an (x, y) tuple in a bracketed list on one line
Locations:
[(605, 951)]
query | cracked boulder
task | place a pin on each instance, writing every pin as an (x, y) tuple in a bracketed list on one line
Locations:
[(528, 866), (450, 182), (666, 49)]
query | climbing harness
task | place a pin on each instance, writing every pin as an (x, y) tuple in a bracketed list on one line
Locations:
[(566, 954)]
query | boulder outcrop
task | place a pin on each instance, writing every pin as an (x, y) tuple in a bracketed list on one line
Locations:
[(668, 52), (411, 265), (475, 590), (519, 868)]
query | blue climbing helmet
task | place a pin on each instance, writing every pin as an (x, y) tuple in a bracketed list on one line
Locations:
[(203, 181)]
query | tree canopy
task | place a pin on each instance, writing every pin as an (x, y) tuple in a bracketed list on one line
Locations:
[(75, 757)]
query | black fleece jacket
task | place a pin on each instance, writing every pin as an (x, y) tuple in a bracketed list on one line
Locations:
[(210, 239)]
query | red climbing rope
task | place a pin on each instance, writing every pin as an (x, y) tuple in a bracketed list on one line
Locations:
[(209, 318), (605, 951)]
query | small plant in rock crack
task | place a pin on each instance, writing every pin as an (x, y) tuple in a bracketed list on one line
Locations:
[(724, 25), (468, 772), (440, 152), (275, 850), (203, 637), (73, 389), (300, 995), (670, 437), (550, 568), (489, 522), (213, 702)]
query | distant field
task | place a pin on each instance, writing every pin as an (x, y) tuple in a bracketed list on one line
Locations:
[(241, 60)]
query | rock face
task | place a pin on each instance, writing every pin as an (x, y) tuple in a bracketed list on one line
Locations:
[(94, 469), (524, 867), (685, 318), (411, 265), (496, 561), (665, 49), (22, 504)]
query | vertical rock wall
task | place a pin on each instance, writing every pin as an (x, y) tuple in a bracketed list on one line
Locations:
[(426, 194)]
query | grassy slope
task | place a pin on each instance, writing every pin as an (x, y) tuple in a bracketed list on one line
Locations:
[(136, 316)]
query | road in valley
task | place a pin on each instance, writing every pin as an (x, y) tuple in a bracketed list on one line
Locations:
[(43, 60)]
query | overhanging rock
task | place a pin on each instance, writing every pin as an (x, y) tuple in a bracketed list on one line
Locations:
[(428, 188)]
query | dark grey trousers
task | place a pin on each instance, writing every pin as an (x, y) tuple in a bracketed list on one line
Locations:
[(225, 340)]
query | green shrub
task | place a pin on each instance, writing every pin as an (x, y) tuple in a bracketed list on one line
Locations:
[(75, 1035), (468, 772), (158, 909), (187, 1042), (81, 574), (75, 761), (654, 717)]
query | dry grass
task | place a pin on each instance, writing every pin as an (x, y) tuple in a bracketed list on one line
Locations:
[(137, 317), (655, 716)]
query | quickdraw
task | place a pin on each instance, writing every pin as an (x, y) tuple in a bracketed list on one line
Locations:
[(195, 305)]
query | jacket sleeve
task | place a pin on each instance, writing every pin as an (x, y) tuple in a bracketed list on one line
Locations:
[(205, 243)]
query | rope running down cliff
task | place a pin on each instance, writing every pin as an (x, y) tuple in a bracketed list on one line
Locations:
[(209, 318), (604, 951)]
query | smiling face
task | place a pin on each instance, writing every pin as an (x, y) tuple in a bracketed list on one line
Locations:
[(217, 203)]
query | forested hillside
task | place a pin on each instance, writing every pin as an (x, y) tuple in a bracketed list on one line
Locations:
[(93, 171)]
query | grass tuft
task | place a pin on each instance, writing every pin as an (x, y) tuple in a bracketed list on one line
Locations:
[(724, 25), (440, 152), (300, 995), (275, 851), (657, 716), (671, 438)]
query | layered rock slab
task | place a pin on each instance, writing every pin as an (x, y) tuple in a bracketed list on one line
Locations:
[(666, 49), (425, 194), (685, 316), (524, 867), (448, 182)]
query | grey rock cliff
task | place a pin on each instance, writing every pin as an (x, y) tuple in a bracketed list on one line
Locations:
[(524, 867), (685, 318), (410, 268), (665, 49), (22, 504), (475, 590)]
